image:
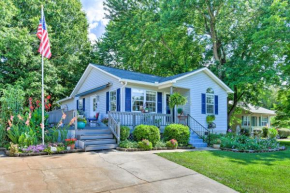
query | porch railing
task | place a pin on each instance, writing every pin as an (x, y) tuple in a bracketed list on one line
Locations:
[(198, 128), (114, 126), (133, 118)]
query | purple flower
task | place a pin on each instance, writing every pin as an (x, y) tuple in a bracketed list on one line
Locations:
[(34, 148)]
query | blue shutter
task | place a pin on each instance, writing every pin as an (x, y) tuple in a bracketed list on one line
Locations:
[(128, 99), (107, 101), (84, 104), (216, 104), (118, 100), (77, 104), (159, 102), (203, 104)]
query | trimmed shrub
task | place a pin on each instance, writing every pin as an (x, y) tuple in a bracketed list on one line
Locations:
[(178, 132), (145, 144), (160, 144), (172, 143), (149, 132), (245, 131), (128, 144), (125, 132), (272, 133), (265, 132), (284, 133)]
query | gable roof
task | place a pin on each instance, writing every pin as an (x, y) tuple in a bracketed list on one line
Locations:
[(254, 109)]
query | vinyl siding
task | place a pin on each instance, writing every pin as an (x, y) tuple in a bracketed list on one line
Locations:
[(68, 105), (198, 84)]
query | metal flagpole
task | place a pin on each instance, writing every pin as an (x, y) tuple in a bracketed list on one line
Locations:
[(42, 80)]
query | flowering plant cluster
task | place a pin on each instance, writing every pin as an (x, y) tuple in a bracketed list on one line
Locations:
[(172, 143), (70, 141), (34, 148), (145, 144)]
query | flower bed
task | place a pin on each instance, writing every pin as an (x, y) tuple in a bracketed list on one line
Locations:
[(283, 148), (42, 153), (154, 148)]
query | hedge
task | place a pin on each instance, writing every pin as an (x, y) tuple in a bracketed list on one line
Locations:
[(178, 132), (284, 133), (125, 132), (149, 132)]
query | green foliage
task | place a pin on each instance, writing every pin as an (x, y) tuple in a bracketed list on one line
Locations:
[(210, 118), (178, 132), (245, 131), (48, 151), (172, 143), (213, 138), (265, 132), (80, 119), (13, 149), (272, 133), (128, 144), (177, 99), (160, 144), (284, 133), (149, 132), (145, 144), (179, 110), (125, 132)]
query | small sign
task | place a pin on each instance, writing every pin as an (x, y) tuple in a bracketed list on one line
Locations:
[(53, 149)]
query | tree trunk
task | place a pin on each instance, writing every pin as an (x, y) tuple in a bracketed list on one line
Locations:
[(235, 102)]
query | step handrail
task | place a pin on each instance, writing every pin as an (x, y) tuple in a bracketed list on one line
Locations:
[(198, 128), (115, 126)]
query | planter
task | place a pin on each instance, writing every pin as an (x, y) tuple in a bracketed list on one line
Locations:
[(81, 125), (68, 148), (72, 146), (216, 146)]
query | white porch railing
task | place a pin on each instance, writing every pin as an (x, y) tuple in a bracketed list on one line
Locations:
[(115, 127)]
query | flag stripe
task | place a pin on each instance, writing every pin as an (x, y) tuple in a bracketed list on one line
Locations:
[(44, 47)]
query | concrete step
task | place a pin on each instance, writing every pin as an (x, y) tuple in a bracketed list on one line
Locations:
[(84, 143), (100, 147), (93, 132), (92, 137)]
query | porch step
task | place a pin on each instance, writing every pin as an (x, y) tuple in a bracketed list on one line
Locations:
[(84, 143), (96, 136), (94, 132), (197, 145), (100, 147), (196, 141)]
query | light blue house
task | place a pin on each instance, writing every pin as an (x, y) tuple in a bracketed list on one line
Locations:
[(126, 94)]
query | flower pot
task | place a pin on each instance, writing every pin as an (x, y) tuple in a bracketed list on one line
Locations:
[(216, 146), (81, 125), (72, 146)]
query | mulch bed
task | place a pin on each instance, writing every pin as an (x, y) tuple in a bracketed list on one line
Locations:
[(44, 153), (254, 151), (155, 148)]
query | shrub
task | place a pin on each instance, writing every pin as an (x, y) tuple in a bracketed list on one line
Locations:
[(128, 144), (272, 133), (214, 137), (245, 131), (284, 133), (265, 132), (125, 132), (160, 144), (172, 143), (149, 132), (178, 132), (145, 144)]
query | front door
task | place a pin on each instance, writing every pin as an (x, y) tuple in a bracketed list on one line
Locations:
[(167, 104), (94, 106)]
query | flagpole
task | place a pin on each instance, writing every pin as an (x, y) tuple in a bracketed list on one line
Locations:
[(42, 84)]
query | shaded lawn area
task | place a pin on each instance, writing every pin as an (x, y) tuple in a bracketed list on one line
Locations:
[(244, 172)]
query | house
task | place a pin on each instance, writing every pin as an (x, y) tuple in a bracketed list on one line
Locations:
[(253, 117), (103, 89)]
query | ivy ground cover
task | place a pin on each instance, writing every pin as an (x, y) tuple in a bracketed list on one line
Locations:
[(244, 172)]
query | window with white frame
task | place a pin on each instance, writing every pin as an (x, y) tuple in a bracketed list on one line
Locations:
[(264, 121), (113, 101), (209, 101), (245, 121), (142, 99)]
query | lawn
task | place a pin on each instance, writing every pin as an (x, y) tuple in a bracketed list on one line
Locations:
[(244, 172)]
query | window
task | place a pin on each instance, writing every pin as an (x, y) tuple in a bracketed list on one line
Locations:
[(254, 121), (95, 102), (80, 107), (245, 121), (209, 101), (113, 101), (264, 121), (142, 99)]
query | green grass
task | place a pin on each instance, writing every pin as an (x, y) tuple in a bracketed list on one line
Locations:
[(244, 172)]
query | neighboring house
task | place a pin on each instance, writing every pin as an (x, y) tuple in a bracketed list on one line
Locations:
[(253, 117), (103, 89)]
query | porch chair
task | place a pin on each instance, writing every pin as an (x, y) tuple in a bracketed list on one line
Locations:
[(94, 120)]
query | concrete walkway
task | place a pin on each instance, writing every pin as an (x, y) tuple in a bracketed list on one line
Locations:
[(107, 171)]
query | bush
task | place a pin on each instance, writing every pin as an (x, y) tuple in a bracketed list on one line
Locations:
[(213, 138), (128, 144), (125, 132), (245, 131), (149, 132), (284, 133), (160, 144), (172, 143), (265, 132), (145, 144), (272, 133), (178, 132)]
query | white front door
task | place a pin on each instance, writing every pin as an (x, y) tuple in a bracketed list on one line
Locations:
[(95, 105)]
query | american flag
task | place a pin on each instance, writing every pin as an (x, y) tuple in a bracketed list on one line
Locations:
[(44, 48)]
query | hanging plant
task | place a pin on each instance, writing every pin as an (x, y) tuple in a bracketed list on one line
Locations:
[(210, 119), (176, 99)]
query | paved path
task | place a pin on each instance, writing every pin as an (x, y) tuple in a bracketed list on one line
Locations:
[(107, 171)]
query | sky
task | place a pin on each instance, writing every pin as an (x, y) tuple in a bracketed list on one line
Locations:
[(95, 14)]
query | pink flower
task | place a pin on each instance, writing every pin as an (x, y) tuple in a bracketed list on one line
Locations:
[(8, 128), (9, 123), (19, 117), (72, 121), (29, 116), (11, 118), (27, 122), (63, 116), (59, 124), (42, 126)]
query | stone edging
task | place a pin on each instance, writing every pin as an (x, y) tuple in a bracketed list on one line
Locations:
[(160, 148), (44, 153), (254, 151)]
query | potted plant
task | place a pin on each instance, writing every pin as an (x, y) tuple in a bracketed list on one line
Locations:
[(217, 144), (81, 123), (180, 111), (70, 143), (210, 121)]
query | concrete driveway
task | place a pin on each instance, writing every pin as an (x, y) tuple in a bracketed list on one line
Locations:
[(107, 171)]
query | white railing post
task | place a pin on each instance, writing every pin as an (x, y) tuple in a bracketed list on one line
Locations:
[(76, 121)]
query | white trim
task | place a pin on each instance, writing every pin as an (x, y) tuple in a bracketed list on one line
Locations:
[(110, 100), (64, 99), (118, 78), (144, 101)]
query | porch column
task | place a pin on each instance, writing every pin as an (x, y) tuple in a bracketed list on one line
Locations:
[(171, 110)]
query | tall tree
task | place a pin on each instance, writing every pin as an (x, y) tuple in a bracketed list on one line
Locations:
[(19, 61)]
